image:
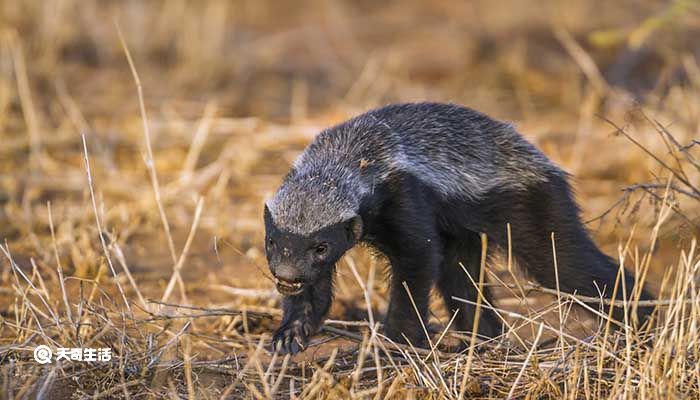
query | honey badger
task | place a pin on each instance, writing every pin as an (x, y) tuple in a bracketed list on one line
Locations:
[(420, 182)]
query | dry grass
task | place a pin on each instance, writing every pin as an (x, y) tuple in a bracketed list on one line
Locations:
[(132, 175)]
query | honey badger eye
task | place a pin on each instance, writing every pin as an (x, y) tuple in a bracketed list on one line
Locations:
[(321, 248), (270, 242)]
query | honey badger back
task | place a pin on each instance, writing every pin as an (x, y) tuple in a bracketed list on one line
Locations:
[(419, 182)]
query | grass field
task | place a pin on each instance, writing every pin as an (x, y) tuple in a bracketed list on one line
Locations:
[(138, 141)]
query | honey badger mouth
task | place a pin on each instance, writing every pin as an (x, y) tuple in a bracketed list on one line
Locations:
[(289, 288)]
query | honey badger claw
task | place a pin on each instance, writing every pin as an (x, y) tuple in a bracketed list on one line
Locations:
[(291, 339)]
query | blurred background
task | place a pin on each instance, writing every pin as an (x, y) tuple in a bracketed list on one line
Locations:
[(116, 191), (233, 91)]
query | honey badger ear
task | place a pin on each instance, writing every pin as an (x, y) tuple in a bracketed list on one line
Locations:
[(354, 228), (267, 214)]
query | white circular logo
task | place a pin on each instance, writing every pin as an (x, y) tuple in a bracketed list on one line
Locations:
[(43, 354)]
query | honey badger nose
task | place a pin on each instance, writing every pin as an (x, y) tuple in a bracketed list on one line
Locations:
[(287, 273)]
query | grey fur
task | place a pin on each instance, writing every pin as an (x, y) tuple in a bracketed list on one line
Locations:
[(328, 181)]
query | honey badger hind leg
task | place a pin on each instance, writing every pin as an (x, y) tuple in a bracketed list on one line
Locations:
[(465, 250), (547, 214)]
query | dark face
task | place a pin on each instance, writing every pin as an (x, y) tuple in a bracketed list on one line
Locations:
[(297, 261)]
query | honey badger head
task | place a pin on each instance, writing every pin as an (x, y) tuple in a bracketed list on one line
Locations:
[(309, 225)]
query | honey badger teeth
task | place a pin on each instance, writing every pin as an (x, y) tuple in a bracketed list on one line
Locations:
[(286, 287)]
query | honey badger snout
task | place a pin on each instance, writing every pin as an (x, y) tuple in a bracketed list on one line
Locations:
[(288, 279), (287, 272)]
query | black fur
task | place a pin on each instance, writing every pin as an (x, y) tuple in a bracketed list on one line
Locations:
[(419, 223)]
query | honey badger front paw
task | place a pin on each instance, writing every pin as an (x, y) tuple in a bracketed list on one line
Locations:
[(292, 337)]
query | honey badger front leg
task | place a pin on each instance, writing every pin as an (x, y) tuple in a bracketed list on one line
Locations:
[(407, 234), (414, 274), (303, 315)]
